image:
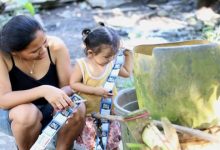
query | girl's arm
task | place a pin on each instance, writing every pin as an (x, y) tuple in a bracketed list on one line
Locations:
[(77, 85), (127, 68), (76, 81)]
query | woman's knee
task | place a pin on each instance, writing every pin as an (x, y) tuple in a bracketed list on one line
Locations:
[(78, 118), (26, 114), (80, 114)]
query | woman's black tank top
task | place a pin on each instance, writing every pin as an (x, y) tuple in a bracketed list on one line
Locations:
[(21, 81)]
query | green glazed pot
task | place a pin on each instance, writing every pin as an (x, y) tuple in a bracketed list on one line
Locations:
[(180, 81)]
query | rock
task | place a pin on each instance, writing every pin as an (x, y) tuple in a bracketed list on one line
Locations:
[(157, 1), (192, 21), (199, 25), (2, 7), (153, 6), (7, 142), (208, 16), (162, 13), (106, 3)]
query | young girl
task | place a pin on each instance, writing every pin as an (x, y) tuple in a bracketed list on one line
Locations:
[(90, 74)]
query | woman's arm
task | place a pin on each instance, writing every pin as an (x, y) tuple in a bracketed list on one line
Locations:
[(127, 68), (8, 98), (61, 56), (63, 63)]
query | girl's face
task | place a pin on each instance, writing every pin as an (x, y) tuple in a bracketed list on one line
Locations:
[(105, 56), (37, 49)]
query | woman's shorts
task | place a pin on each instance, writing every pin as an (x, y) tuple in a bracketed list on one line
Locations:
[(47, 112)]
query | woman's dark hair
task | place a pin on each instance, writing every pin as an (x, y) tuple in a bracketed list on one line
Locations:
[(18, 33), (102, 35)]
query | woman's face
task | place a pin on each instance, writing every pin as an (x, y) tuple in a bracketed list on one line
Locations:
[(37, 49)]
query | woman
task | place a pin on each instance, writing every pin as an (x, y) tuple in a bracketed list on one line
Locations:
[(33, 69)]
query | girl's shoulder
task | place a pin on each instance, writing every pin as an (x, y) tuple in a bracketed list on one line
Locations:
[(82, 63), (82, 60)]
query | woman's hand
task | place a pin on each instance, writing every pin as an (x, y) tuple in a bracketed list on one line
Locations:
[(56, 97), (100, 91)]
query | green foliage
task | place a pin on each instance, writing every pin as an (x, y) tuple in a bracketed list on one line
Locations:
[(137, 146), (30, 8), (211, 34), (27, 5)]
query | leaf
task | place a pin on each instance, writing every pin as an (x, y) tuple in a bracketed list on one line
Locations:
[(136, 146), (30, 8), (27, 5), (136, 121), (170, 134), (152, 137)]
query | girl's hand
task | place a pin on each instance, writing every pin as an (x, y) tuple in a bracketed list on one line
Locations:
[(127, 52), (56, 97), (100, 91)]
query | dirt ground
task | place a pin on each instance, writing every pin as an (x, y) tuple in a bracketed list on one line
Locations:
[(68, 21), (137, 21), (129, 19)]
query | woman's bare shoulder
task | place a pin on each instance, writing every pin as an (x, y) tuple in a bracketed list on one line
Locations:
[(6, 59), (5, 56), (55, 43)]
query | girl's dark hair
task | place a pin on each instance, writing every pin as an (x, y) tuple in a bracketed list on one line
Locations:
[(102, 35), (18, 33)]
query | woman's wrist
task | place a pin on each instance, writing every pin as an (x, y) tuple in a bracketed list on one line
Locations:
[(42, 90), (45, 89)]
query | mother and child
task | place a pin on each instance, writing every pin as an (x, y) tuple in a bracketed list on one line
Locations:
[(37, 79)]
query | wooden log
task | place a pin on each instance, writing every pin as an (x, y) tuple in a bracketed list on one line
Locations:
[(197, 133), (191, 131)]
